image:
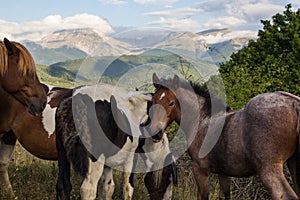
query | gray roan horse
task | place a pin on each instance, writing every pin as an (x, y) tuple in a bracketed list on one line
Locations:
[(256, 140)]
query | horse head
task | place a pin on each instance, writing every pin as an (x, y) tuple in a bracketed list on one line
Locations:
[(18, 77), (165, 108), (135, 106)]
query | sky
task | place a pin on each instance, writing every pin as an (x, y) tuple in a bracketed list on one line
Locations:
[(33, 19)]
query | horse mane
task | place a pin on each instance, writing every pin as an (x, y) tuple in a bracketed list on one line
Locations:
[(26, 63), (3, 59), (201, 90)]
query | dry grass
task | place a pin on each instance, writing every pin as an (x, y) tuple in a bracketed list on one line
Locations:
[(35, 179)]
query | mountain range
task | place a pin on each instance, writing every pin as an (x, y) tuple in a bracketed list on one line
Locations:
[(70, 44), (132, 55)]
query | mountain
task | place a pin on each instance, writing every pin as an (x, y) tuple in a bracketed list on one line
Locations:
[(186, 44), (221, 43), (143, 38), (86, 40), (47, 56), (211, 46)]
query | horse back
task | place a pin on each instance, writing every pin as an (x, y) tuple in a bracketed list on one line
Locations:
[(271, 126)]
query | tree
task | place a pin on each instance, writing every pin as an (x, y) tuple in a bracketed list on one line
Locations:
[(270, 63)]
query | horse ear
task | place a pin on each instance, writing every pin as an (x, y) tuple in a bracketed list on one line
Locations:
[(45, 87), (113, 103), (114, 108), (11, 48), (155, 80), (176, 81)]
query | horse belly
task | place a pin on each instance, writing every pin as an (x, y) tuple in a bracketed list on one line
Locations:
[(124, 155), (234, 168), (231, 159)]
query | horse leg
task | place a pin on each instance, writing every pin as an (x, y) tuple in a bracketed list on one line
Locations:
[(5, 155), (128, 179), (63, 185), (88, 189), (275, 182), (201, 175), (108, 184), (225, 182), (295, 174)]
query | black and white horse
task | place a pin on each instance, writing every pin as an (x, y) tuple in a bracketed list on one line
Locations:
[(120, 121), (161, 168)]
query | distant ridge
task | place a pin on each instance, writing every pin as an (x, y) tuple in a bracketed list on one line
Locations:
[(213, 31), (70, 44)]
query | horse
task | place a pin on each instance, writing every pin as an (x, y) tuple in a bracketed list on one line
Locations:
[(20, 87), (40, 138), (160, 163), (161, 168), (35, 134), (97, 140), (20, 91), (255, 140)]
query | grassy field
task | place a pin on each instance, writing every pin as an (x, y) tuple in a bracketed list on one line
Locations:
[(35, 179)]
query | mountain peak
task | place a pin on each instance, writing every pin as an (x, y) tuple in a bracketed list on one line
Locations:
[(85, 39), (78, 31)]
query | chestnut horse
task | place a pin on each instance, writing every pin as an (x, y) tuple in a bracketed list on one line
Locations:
[(20, 91), (20, 87), (256, 140), (35, 134)]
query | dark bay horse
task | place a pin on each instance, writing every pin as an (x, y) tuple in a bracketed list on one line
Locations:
[(20, 87), (256, 140)]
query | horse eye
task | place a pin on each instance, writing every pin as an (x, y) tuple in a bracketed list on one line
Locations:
[(171, 104)]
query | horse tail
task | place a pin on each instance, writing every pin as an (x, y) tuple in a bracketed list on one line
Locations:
[(78, 156), (297, 107), (67, 134)]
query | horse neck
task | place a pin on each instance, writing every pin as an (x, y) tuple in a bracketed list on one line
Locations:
[(35, 139), (9, 109), (192, 109), (157, 152)]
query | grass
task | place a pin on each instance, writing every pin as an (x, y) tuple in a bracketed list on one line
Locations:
[(35, 179)]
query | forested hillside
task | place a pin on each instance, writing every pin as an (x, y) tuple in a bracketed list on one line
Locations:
[(270, 63)]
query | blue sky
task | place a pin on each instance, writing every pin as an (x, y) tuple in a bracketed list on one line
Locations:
[(41, 17)]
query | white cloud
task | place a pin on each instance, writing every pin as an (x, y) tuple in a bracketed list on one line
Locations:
[(114, 2), (232, 14), (212, 5), (35, 30), (155, 2), (186, 24), (227, 35), (179, 12), (258, 11), (223, 22)]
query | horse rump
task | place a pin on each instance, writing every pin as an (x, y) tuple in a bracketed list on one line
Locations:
[(67, 133), (297, 107)]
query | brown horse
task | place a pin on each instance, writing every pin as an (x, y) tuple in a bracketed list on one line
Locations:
[(256, 140), (35, 134), (20, 87), (20, 91)]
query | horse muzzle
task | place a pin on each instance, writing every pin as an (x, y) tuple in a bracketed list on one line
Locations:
[(158, 136), (36, 106)]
